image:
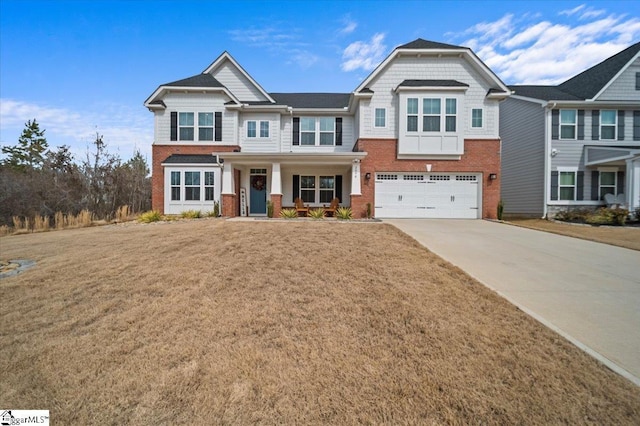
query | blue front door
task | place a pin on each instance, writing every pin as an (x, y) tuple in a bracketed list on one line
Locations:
[(258, 195)]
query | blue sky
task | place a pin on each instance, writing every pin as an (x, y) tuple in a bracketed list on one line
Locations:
[(84, 66)]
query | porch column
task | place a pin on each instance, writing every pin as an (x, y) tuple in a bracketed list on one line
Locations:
[(276, 189), (228, 193), (633, 183), (355, 178)]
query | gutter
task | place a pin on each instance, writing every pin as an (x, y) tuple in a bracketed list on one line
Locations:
[(547, 156)]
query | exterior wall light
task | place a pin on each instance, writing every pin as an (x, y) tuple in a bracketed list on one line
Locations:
[(493, 176), (367, 176)]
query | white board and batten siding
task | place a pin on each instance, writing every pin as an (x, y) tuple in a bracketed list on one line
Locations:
[(195, 102), (428, 195)]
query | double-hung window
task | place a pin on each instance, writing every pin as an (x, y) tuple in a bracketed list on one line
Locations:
[(327, 188), (380, 119), (412, 115), (317, 131), (307, 131), (321, 189), (450, 115), (252, 129), (431, 115), (608, 124), (308, 189), (192, 186), (208, 186), (567, 186), (264, 129), (175, 186), (185, 126), (476, 118), (327, 130), (205, 126), (607, 184), (568, 123)]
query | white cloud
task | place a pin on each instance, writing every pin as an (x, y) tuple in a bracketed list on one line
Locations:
[(530, 50), (365, 55), (349, 25), (304, 59), (125, 129)]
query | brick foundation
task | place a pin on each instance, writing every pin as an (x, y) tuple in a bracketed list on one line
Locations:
[(480, 156), (229, 203), (276, 199)]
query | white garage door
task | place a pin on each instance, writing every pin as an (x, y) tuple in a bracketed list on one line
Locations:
[(430, 195)]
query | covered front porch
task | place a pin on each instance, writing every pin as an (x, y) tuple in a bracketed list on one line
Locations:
[(250, 180), (614, 170)]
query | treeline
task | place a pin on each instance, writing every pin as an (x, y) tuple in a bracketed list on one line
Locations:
[(35, 180)]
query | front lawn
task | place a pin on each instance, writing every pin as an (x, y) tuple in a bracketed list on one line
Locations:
[(217, 322)]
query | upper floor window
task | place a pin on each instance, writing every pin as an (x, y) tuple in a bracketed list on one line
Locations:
[(412, 115), (185, 126), (430, 115), (205, 126), (608, 124), (264, 129), (450, 115), (476, 118), (317, 131), (327, 130), (638, 81), (252, 129), (568, 123), (438, 114), (380, 117)]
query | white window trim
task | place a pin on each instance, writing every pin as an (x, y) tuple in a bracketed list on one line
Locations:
[(259, 130), (316, 197), (615, 124), (193, 126), (374, 118), (615, 178), (573, 170), (183, 186), (482, 119), (317, 132), (443, 114), (575, 125), (258, 124), (212, 127)]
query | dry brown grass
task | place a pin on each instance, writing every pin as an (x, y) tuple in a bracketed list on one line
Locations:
[(628, 237), (216, 322)]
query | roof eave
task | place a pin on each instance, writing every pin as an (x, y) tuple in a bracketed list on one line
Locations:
[(160, 91)]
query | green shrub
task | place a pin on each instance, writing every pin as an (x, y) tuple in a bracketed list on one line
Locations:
[(216, 208), (607, 216), (574, 215), (316, 213), (150, 216), (500, 209), (620, 216), (344, 213), (191, 214), (269, 208), (289, 213)]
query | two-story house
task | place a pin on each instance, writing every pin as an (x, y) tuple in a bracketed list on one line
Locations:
[(417, 138), (569, 145)]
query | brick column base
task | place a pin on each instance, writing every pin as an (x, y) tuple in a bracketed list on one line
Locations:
[(358, 206), (229, 205), (276, 199)]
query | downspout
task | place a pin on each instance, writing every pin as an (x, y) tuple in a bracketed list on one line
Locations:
[(547, 156)]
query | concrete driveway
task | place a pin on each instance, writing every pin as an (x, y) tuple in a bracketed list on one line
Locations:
[(588, 292)]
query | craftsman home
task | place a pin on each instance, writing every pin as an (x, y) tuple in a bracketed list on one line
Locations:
[(417, 138), (567, 146)]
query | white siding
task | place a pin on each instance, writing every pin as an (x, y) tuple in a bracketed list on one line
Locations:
[(624, 87), (429, 68), (257, 144), (234, 80), (348, 137), (195, 102)]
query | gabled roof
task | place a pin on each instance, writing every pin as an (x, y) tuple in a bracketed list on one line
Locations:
[(589, 83), (199, 80), (432, 83), (546, 93), (312, 100), (191, 159), (426, 44), (226, 56)]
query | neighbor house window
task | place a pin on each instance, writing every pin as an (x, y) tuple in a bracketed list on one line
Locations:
[(307, 131), (607, 184), (327, 130), (431, 115), (175, 186), (608, 124), (308, 189), (412, 115), (568, 123), (205, 126), (251, 129), (638, 81), (327, 188), (450, 115), (264, 129), (567, 186), (192, 186), (208, 185), (185, 126), (380, 117), (476, 118)]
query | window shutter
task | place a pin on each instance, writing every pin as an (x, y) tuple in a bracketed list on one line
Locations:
[(338, 131), (620, 183), (296, 130), (595, 125), (174, 126), (620, 125), (595, 178), (555, 124), (554, 185), (580, 186), (636, 125), (339, 187), (296, 187), (580, 124), (218, 127)]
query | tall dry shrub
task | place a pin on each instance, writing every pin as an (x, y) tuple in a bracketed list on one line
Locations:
[(40, 223), (59, 220)]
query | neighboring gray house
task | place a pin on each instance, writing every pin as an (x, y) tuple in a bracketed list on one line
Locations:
[(567, 146)]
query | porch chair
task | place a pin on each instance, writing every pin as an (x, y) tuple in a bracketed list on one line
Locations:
[(300, 207), (610, 201), (622, 201), (331, 210)]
